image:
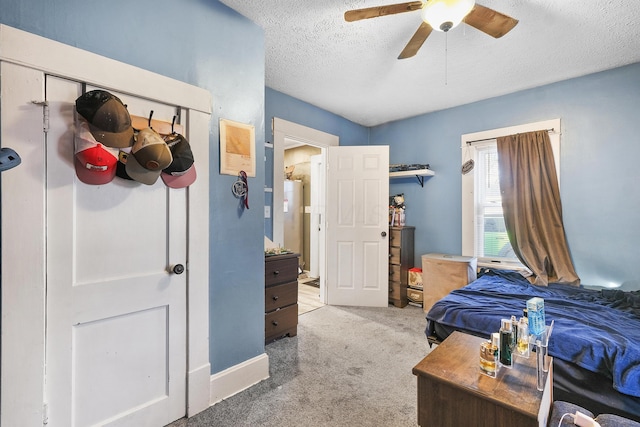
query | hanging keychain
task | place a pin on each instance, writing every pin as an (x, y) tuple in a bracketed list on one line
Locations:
[(240, 188), (468, 165)]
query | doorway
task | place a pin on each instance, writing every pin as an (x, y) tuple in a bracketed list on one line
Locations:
[(292, 136), (353, 247), (301, 221)]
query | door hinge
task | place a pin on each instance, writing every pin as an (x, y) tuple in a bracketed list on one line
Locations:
[(45, 114), (45, 414)]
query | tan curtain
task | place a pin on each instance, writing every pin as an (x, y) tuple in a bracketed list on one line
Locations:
[(532, 208)]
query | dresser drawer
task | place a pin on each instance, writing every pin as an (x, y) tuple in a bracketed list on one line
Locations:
[(280, 271), (397, 294), (394, 290), (394, 272), (280, 295), (394, 255), (395, 237), (281, 322)]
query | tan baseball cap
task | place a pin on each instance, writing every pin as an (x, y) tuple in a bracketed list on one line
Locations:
[(149, 155)]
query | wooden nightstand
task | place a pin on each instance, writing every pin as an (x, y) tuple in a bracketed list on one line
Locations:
[(280, 296), (452, 392)]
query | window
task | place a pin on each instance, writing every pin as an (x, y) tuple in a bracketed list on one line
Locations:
[(484, 234), (491, 238)]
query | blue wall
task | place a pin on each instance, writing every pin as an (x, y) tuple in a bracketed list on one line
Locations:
[(204, 43), (600, 148)]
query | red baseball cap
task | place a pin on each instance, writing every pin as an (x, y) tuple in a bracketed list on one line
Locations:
[(95, 163)]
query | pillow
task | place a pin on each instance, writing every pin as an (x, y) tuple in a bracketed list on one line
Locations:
[(610, 420)]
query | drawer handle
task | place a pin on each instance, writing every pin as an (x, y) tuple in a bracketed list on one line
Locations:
[(275, 297), (276, 272), (274, 323)]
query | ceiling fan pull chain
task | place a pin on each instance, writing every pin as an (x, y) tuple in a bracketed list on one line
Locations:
[(446, 56)]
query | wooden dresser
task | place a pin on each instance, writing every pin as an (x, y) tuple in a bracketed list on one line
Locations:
[(400, 261), (280, 296)]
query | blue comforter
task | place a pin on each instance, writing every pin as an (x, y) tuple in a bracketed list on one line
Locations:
[(597, 330)]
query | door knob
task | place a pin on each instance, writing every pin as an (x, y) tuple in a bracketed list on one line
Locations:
[(178, 269), (383, 234)]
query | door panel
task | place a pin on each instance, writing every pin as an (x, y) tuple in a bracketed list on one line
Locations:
[(142, 348), (357, 223), (116, 318)]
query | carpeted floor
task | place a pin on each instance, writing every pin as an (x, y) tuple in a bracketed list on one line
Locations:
[(348, 366)]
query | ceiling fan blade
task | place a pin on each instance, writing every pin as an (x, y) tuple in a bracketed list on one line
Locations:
[(374, 12), (416, 41), (489, 21)]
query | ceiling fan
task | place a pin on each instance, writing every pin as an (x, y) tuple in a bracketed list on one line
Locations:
[(441, 15)]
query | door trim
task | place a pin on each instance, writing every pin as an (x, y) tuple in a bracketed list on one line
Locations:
[(26, 58), (283, 129)]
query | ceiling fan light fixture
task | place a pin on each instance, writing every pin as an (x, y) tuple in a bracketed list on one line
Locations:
[(444, 15)]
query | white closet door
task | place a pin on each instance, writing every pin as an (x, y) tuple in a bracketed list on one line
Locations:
[(116, 316)]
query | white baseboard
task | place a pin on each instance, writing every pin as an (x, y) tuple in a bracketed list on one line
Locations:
[(238, 378)]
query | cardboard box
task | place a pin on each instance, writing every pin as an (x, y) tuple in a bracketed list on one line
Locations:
[(415, 295), (442, 273), (415, 277)]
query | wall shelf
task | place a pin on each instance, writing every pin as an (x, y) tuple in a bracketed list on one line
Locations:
[(418, 173)]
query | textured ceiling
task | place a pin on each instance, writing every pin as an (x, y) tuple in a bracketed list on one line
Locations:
[(352, 70)]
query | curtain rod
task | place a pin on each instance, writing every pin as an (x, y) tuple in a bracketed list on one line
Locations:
[(489, 139)]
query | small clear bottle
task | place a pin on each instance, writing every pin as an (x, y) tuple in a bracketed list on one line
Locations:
[(523, 338), (506, 343), (514, 328), (495, 340)]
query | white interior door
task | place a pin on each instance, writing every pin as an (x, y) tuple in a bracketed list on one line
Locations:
[(357, 226), (116, 318)]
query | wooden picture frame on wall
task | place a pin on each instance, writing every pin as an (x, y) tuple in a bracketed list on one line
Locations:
[(237, 148)]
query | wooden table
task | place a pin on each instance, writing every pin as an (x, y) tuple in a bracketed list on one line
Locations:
[(452, 391)]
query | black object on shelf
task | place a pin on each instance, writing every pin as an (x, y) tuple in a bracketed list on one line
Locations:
[(403, 167)]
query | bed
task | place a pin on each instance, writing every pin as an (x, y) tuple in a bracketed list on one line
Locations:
[(595, 340)]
